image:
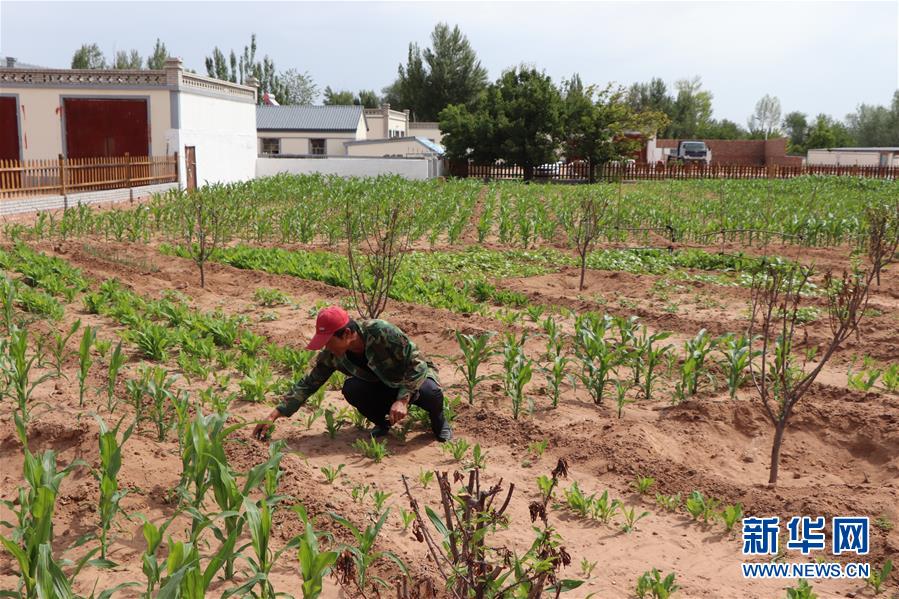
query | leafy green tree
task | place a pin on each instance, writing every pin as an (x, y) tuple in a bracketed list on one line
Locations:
[(596, 124), (88, 56), (518, 119), (722, 129), (652, 96), (448, 72), (368, 98), (692, 109), (217, 66), (126, 60), (766, 117), (827, 132), (156, 59), (338, 98), (876, 125), (298, 88), (796, 126)]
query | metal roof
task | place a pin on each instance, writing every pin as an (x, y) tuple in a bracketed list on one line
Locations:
[(432, 146), (308, 118)]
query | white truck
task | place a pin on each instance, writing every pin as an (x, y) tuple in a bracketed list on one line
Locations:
[(691, 151)]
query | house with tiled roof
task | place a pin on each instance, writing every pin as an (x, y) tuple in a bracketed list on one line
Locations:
[(308, 130)]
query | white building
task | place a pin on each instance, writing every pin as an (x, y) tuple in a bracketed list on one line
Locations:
[(854, 157), (90, 114)]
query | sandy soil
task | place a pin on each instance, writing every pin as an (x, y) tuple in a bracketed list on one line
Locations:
[(840, 456)]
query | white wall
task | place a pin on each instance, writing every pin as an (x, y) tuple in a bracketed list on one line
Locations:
[(837, 158), (224, 134), (295, 142), (395, 147), (426, 130), (410, 168)]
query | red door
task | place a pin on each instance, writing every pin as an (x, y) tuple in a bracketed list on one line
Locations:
[(101, 127), (9, 129)]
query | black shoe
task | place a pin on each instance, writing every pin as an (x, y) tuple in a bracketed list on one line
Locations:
[(380, 430), (442, 430)]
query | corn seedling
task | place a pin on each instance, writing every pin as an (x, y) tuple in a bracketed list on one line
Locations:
[(604, 508), (311, 417), (407, 518), (538, 448), (359, 492), (476, 350), (597, 355), (587, 567), (17, 372), (314, 563), (890, 378), (647, 358), (8, 297), (58, 347), (102, 346), (85, 360), (116, 361), (250, 343), (270, 298), (642, 484), (578, 502), (357, 419), (651, 584), (256, 384), (864, 379), (425, 477), (621, 398), (30, 543), (883, 523), (556, 367), (332, 423), (107, 475), (152, 340), (379, 498), (150, 564), (478, 457), (457, 448), (669, 503), (737, 352), (372, 449), (877, 578), (695, 350), (519, 370), (156, 384), (355, 560), (630, 519), (802, 590), (698, 506), (330, 473), (732, 514)]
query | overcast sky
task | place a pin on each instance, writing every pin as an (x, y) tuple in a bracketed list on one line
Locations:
[(815, 56)]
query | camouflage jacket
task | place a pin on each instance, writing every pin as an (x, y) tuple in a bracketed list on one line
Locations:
[(392, 357)]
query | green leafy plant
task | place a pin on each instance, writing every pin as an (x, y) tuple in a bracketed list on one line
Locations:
[(407, 518), (85, 360), (330, 473), (648, 357), (802, 590), (332, 424), (864, 379), (20, 384), (693, 368), (372, 449), (651, 584), (270, 298), (732, 514), (587, 567), (457, 448), (518, 372), (256, 384), (116, 360), (597, 355), (478, 457), (669, 503), (58, 347), (152, 340), (877, 578), (379, 498), (631, 518), (315, 564), (355, 560), (107, 476), (621, 398), (698, 505), (476, 350), (737, 352), (642, 484), (425, 477)]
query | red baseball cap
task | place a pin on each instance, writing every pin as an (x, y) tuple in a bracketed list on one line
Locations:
[(329, 321)]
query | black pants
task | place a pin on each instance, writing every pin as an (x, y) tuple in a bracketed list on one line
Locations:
[(374, 400)]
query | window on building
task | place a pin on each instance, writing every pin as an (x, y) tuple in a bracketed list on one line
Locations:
[(317, 147), (271, 146)]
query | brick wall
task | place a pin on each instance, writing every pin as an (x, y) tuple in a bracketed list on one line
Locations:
[(58, 202), (744, 151)]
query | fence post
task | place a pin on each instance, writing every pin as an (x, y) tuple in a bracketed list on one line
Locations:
[(177, 167), (62, 182), (128, 177)]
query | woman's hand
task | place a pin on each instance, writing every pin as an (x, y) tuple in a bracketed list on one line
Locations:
[(263, 429)]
